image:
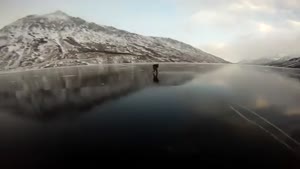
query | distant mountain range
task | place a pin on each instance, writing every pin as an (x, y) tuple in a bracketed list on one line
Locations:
[(57, 39), (291, 61)]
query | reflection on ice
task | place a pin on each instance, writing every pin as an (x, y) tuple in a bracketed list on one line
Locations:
[(45, 94), (261, 103), (294, 111)]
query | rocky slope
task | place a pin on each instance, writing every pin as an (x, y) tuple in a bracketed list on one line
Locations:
[(57, 39)]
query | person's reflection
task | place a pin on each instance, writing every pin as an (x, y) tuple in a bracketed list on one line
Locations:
[(155, 73)]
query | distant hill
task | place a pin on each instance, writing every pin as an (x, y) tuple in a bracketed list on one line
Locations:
[(260, 61), (291, 61)]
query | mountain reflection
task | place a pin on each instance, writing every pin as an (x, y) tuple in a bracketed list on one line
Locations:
[(46, 94)]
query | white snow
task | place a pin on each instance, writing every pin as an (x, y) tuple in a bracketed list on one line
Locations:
[(2, 42), (58, 15)]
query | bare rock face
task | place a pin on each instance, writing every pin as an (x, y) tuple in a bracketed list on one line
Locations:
[(57, 39)]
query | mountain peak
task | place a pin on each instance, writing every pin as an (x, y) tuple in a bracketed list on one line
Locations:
[(59, 12), (57, 15)]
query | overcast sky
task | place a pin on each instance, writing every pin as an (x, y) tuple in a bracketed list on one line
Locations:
[(232, 29)]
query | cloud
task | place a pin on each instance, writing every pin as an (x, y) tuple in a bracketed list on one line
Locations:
[(251, 6), (249, 29), (262, 27), (257, 46), (212, 18), (294, 23)]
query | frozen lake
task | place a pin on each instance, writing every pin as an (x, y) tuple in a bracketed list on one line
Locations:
[(217, 115)]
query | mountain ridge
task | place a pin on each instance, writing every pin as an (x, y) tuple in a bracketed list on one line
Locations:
[(57, 39)]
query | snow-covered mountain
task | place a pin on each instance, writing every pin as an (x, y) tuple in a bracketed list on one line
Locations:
[(293, 62), (284, 61), (57, 39), (260, 61)]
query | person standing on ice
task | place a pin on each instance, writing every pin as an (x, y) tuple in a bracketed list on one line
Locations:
[(155, 73)]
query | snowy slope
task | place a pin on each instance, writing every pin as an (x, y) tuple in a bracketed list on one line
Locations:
[(57, 39)]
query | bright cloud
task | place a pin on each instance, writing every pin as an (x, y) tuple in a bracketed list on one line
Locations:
[(264, 27), (294, 23), (251, 6)]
